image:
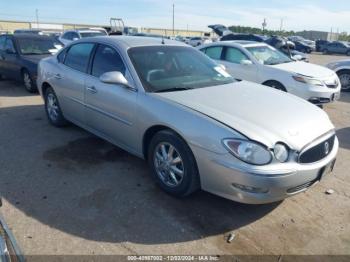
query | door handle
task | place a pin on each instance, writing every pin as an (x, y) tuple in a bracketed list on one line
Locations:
[(92, 89), (58, 76)]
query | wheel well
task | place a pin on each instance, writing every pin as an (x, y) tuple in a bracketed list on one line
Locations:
[(274, 81), (22, 70), (343, 70), (44, 87), (147, 137)]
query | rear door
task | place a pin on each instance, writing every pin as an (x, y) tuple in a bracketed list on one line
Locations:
[(69, 80), (110, 108)]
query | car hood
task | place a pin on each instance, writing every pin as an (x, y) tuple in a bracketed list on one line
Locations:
[(260, 113), (34, 58), (306, 69)]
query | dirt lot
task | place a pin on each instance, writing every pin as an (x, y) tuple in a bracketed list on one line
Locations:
[(68, 192)]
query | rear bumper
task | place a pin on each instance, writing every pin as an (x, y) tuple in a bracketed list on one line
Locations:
[(224, 176)]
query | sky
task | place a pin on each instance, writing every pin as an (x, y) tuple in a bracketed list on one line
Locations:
[(195, 14)]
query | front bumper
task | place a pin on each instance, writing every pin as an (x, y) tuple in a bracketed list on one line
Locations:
[(219, 174), (315, 94)]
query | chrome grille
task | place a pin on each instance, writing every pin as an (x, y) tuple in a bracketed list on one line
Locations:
[(317, 152)]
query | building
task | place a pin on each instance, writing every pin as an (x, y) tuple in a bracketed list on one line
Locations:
[(315, 35), (10, 26)]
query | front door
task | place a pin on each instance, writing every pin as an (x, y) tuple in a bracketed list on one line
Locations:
[(110, 108)]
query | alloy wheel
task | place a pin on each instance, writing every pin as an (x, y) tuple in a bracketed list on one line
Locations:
[(168, 164), (27, 81), (345, 81), (52, 106)]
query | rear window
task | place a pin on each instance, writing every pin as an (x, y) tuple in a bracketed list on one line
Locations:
[(78, 56)]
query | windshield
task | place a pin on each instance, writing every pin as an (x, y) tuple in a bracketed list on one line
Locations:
[(91, 34), (38, 46), (268, 55), (172, 68)]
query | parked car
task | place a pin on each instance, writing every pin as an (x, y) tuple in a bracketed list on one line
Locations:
[(227, 35), (287, 47), (195, 125), (20, 54), (73, 35), (337, 48), (303, 47), (263, 64), (320, 45), (28, 31), (342, 68), (195, 41), (9, 249)]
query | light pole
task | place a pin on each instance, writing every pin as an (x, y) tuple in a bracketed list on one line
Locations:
[(173, 20), (37, 17)]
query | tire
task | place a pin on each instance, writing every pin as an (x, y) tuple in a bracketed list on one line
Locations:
[(172, 182), (28, 82), (325, 52), (348, 53), (276, 85), (1, 77), (344, 76), (53, 109)]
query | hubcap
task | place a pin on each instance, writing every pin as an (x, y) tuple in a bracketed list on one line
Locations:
[(345, 81), (168, 164), (52, 106), (27, 81)]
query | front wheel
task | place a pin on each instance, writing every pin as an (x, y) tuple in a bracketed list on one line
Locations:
[(173, 164), (348, 53), (28, 82), (53, 109), (344, 77)]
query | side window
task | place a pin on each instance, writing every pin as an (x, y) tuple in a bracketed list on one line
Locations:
[(107, 60), (9, 45), (2, 42), (74, 35), (234, 55), (78, 55), (214, 52), (66, 36)]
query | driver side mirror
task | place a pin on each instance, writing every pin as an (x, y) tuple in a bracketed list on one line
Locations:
[(75, 38), (117, 78), (246, 62), (297, 57)]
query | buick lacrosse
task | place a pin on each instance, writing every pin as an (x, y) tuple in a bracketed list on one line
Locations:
[(197, 127)]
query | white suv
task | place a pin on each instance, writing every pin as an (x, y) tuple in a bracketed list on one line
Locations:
[(263, 64), (72, 35)]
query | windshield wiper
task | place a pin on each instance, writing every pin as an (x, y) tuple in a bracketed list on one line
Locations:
[(171, 89)]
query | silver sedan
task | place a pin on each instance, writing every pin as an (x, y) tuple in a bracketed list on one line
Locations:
[(196, 126), (342, 68)]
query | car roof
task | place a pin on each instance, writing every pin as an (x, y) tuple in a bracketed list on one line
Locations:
[(236, 43), (33, 36), (133, 41)]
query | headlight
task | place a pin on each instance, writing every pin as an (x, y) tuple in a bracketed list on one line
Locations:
[(308, 80), (281, 152), (248, 151)]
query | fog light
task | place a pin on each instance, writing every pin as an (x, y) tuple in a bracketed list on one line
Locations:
[(250, 189)]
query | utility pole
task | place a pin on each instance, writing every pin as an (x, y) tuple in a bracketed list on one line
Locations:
[(264, 24), (281, 26), (173, 20), (37, 17)]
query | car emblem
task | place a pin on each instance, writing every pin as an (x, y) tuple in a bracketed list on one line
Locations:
[(326, 148)]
